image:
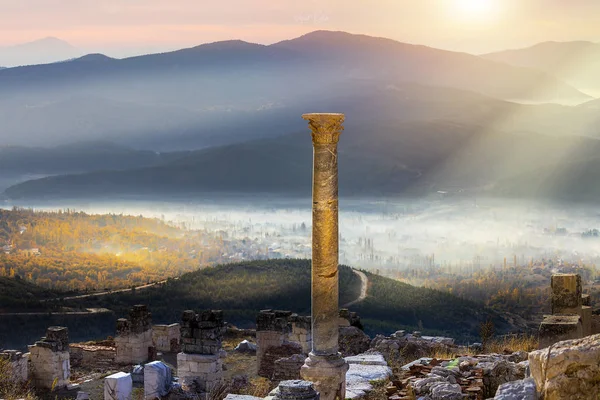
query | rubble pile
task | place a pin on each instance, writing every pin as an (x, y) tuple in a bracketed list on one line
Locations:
[(467, 377)]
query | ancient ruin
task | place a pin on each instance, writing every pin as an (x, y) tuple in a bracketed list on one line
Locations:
[(279, 335), (200, 363), (325, 365), (50, 360), (134, 337), (571, 311), (166, 337)]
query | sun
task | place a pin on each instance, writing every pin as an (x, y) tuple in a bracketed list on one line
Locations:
[(475, 10)]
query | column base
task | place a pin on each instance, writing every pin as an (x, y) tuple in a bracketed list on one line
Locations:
[(328, 373)]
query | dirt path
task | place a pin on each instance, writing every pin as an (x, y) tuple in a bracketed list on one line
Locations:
[(364, 283), (83, 296)]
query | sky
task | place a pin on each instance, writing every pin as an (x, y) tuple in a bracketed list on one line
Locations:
[(127, 27)]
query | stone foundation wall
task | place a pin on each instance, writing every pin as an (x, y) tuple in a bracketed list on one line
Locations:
[(166, 337), (94, 357), (50, 360), (134, 337), (288, 368), (199, 372), (267, 367), (200, 364), (18, 364), (301, 332)]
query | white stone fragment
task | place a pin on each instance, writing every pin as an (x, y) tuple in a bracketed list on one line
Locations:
[(157, 380), (118, 386)]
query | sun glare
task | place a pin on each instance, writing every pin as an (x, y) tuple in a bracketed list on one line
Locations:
[(475, 10)]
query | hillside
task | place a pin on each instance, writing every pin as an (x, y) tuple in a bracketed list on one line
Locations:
[(242, 289), (77, 157), (574, 62), (76, 251), (380, 158), (221, 86), (17, 294)]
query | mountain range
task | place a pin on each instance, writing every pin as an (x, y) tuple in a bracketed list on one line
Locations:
[(209, 91), (419, 120)]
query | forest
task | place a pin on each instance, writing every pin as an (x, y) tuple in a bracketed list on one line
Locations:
[(74, 251)]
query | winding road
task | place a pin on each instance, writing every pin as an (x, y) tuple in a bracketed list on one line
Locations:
[(364, 283), (83, 296)]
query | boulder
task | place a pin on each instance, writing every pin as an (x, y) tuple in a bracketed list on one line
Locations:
[(498, 372), (568, 369), (246, 347), (517, 390), (446, 391)]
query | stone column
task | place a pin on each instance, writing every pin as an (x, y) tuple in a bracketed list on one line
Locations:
[(325, 365)]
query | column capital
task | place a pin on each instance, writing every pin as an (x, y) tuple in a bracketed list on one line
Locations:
[(326, 127)]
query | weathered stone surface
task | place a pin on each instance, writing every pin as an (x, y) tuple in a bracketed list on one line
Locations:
[(267, 366), (288, 368), (90, 356), (134, 337), (555, 328), (50, 360), (367, 359), (166, 338), (498, 372), (295, 390), (566, 294), (241, 397), (199, 373), (328, 373), (446, 391), (202, 333), (157, 380), (568, 369), (364, 369), (132, 348), (118, 386), (18, 364), (517, 390)]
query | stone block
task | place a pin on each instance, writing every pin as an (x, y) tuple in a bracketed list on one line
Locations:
[(118, 386), (555, 328), (568, 369), (566, 294), (517, 390), (295, 390), (157, 380), (199, 372)]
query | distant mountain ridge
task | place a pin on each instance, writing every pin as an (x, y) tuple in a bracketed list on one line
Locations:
[(42, 51), (575, 62), (233, 82)]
